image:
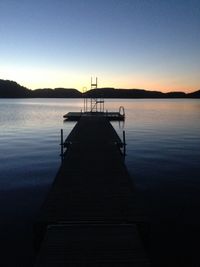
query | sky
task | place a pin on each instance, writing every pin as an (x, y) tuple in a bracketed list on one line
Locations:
[(147, 44)]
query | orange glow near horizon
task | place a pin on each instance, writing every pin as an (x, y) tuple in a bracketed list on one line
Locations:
[(34, 78), (148, 85), (126, 44)]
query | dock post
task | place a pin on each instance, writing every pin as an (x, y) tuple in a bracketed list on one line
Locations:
[(124, 144), (61, 145)]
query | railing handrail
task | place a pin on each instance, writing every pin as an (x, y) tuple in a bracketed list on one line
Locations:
[(122, 111)]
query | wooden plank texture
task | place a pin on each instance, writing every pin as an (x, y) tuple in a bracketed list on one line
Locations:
[(92, 245)]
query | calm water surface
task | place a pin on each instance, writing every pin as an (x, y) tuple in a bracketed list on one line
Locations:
[(163, 154)]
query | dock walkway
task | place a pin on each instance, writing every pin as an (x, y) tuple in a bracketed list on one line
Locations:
[(90, 214)]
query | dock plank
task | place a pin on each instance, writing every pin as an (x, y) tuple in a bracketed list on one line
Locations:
[(92, 245)]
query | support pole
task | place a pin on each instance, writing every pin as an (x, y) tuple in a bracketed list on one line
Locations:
[(124, 144), (61, 145)]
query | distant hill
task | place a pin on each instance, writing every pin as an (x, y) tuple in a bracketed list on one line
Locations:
[(123, 93), (132, 93), (194, 94), (11, 89), (57, 93), (175, 95)]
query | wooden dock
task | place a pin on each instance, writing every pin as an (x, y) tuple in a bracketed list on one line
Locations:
[(90, 216)]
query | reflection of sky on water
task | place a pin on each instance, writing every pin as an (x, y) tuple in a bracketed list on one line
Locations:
[(161, 134)]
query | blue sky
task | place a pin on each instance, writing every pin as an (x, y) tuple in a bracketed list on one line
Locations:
[(152, 44)]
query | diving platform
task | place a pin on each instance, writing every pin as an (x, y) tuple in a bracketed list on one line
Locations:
[(111, 116), (94, 107)]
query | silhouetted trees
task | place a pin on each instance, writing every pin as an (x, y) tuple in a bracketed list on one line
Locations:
[(194, 94), (57, 93), (11, 89)]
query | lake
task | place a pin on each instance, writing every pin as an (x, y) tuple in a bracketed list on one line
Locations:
[(163, 155)]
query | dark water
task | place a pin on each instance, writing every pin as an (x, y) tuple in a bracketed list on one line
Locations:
[(163, 155)]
